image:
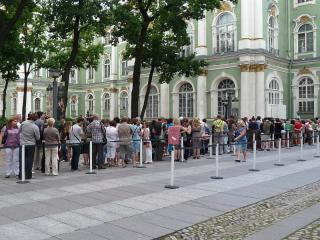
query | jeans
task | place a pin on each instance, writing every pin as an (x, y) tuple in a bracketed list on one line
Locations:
[(76, 150), (97, 151), (29, 155)]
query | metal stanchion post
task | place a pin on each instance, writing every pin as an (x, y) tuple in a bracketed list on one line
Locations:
[(254, 169), (279, 155), (210, 148), (301, 149), (182, 149), (172, 186), (318, 147), (313, 137), (91, 160), (272, 142), (217, 164), (23, 165), (141, 162), (288, 140)]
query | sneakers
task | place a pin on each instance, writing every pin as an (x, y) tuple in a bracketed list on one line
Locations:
[(7, 176)]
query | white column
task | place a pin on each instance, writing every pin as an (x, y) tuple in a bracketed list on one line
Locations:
[(247, 101), (114, 63), (202, 97), (260, 94), (164, 100), (129, 95), (202, 37), (114, 104), (175, 104)]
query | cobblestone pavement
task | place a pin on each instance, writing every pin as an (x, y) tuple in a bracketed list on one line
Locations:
[(311, 231), (245, 221)]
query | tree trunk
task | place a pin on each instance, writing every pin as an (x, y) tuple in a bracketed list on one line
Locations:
[(5, 29), (146, 97), (138, 53), (25, 88), (4, 96), (72, 58)]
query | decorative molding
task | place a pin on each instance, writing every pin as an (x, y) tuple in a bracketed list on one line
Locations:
[(304, 71), (225, 7), (130, 80), (204, 72), (113, 90), (305, 19), (105, 90), (74, 98), (253, 67), (20, 89), (89, 91), (123, 89)]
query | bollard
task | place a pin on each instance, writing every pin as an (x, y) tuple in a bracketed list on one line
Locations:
[(312, 137), (141, 162), (318, 147), (272, 142), (279, 155), (23, 166), (210, 148), (217, 164), (172, 186), (301, 150), (254, 169), (288, 140), (90, 156), (182, 149)]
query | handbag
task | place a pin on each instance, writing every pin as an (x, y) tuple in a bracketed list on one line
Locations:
[(4, 137), (104, 138)]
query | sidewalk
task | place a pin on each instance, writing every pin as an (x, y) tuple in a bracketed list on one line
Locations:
[(133, 204)]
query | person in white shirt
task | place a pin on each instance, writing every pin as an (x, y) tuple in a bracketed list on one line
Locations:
[(112, 144), (75, 135)]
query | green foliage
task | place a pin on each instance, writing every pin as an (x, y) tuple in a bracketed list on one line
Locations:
[(3, 122)]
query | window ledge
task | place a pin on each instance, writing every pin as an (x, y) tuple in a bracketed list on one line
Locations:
[(296, 4)]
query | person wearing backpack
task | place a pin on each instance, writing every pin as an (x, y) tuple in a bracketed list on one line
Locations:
[(10, 138), (217, 129)]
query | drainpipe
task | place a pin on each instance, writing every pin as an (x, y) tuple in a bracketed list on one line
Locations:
[(290, 93)]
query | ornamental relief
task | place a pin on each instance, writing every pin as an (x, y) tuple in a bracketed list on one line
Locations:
[(253, 67), (304, 71)]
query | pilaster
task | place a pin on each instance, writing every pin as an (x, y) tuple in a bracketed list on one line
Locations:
[(164, 100)]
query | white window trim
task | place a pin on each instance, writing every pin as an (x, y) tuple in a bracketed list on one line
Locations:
[(296, 33), (76, 105), (119, 101), (175, 97), (296, 4), (87, 103), (75, 76), (192, 38), (40, 96), (87, 75), (276, 32), (102, 75), (103, 112), (295, 91), (214, 31)]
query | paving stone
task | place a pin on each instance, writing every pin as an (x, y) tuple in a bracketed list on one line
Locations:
[(98, 214), (75, 220), (49, 226), (80, 235), (19, 231)]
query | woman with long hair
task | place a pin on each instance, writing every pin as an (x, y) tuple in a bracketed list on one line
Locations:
[(147, 143), (51, 139), (112, 143), (196, 137), (11, 140), (241, 140)]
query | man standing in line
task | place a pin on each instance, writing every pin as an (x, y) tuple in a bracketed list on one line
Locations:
[(125, 139), (29, 135), (39, 149), (97, 131)]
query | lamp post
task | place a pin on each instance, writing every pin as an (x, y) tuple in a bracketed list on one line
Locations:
[(54, 73)]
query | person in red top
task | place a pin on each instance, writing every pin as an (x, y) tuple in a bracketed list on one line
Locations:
[(297, 132)]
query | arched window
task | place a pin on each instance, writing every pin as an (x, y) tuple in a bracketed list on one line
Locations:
[(14, 106), (225, 88), (274, 92), (73, 106), (90, 73), (186, 100), (273, 35), (189, 49), (107, 38), (90, 105), (124, 67), (37, 105), (107, 68), (305, 38), (306, 95), (73, 78), (106, 102), (124, 101), (153, 103), (225, 33)]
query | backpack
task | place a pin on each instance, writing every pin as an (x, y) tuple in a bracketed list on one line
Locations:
[(218, 125), (5, 136)]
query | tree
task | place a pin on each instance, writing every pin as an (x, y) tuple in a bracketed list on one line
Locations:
[(73, 26), (33, 47), (163, 53), (131, 22), (10, 13)]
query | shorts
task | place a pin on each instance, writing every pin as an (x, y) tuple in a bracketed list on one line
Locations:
[(136, 146), (241, 146)]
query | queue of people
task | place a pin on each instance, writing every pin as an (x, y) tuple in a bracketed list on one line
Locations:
[(117, 143)]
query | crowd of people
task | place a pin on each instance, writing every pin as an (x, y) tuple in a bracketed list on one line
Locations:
[(117, 142)]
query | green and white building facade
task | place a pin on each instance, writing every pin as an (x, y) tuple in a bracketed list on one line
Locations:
[(265, 53)]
